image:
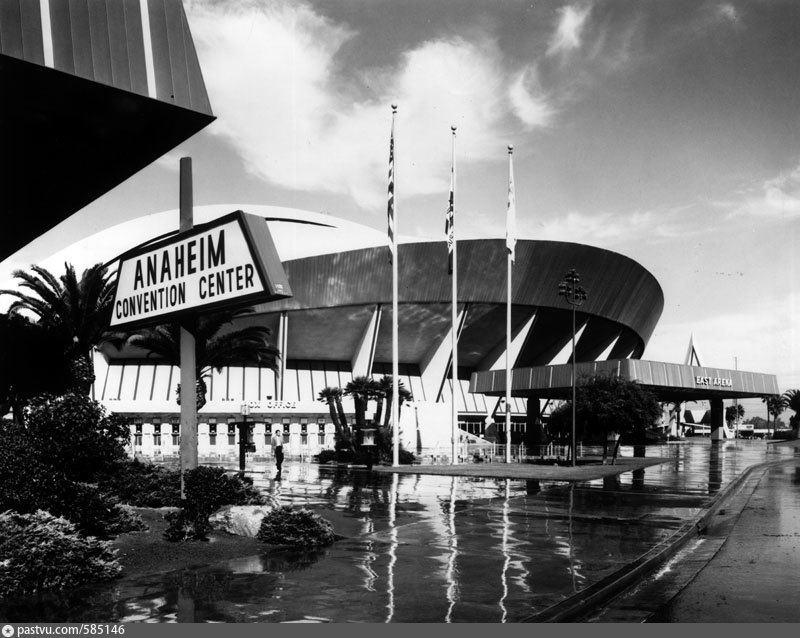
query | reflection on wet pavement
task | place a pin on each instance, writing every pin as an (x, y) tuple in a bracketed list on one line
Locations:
[(423, 548)]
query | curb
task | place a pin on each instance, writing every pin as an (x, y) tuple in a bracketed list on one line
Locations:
[(581, 604)]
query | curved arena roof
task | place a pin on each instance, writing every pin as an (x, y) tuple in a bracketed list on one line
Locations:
[(340, 274)]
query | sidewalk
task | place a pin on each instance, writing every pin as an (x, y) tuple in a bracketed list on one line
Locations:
[(753, 576), (740, 566)]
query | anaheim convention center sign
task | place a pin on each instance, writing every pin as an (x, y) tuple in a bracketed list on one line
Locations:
[(229, 262)]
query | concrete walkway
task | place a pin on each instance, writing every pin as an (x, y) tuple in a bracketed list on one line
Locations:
[(754, 574), (741, 565)]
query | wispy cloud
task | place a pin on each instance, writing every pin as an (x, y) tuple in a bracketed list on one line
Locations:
[(270, 69), (743, 327), (727, 11), (528, 101), (616, 229), (777, 197), (568, 34)]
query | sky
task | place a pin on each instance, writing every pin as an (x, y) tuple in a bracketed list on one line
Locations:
[(667, 131)]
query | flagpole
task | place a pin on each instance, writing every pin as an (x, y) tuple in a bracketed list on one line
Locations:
[(395, 330), (454, 370), (510, 241)]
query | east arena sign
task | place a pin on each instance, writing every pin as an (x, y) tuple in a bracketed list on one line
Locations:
[(229, 262)]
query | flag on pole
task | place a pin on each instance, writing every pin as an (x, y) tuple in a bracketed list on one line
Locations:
[(450, 219), (390, 211), (511, 213)]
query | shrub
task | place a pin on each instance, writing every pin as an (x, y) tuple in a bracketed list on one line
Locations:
[(143, 484), (207, 489), (296, 528), (75, 434), (326, 456), (42, 486), (42, 552)]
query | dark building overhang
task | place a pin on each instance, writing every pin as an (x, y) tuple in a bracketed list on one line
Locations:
[(84, 113)]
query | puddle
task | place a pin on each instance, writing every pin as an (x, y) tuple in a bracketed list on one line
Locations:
[(423, 548)]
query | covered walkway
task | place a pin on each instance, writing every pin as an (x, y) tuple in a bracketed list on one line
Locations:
[(671, 382)]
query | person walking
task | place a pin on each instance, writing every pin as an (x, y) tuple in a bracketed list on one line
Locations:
[(277, 450)]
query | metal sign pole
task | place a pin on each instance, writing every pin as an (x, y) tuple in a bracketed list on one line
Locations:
[(188, 446)]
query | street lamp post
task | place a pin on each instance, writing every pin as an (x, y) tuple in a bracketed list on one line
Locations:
[(575, 295), (244, 436)]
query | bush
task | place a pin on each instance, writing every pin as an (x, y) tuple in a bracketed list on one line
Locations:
[(361, 457), (296, 528), (326, 456), (42, 486), (75, 434), (42, 552), (207, 489), (143, 484)]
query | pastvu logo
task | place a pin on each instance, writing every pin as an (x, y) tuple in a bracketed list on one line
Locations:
[(8, 631)]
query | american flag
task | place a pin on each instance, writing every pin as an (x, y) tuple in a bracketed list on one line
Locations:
[(390, 212), (449, 222)]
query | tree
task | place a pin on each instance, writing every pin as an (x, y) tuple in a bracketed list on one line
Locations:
[(791, 399), (333, 397), (75, 311), (775, 405), (32, 364), (214, 348), (362, 389), (609, 405), (733, 412), (385, 391)]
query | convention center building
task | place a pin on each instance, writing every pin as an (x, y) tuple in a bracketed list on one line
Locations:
[(337, 326), (95, 91)]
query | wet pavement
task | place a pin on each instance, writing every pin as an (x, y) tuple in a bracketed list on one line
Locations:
[(432, 548)]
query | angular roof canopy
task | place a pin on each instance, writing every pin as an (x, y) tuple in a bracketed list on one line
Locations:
[(670, 381), (93, 91)]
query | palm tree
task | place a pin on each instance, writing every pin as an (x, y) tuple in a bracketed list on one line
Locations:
[(383, 390), (333, 397), (214, 349), (362, 389), (791, 399), (76, 311), (403, 395), (734, 412), (775, 405)]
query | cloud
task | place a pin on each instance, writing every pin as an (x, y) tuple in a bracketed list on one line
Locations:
[(272, 76), (569, 31), (777, 197), (741, 333), (616, 229), (728, 12), (529, 104)]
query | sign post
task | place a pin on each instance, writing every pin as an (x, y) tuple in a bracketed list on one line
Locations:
[(228, 263), (188, 436)]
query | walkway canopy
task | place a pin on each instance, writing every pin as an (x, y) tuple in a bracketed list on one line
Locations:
[(669, 381)]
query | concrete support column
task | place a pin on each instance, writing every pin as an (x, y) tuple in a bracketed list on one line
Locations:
[(534, 433), (675, 419), (717, 420)]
